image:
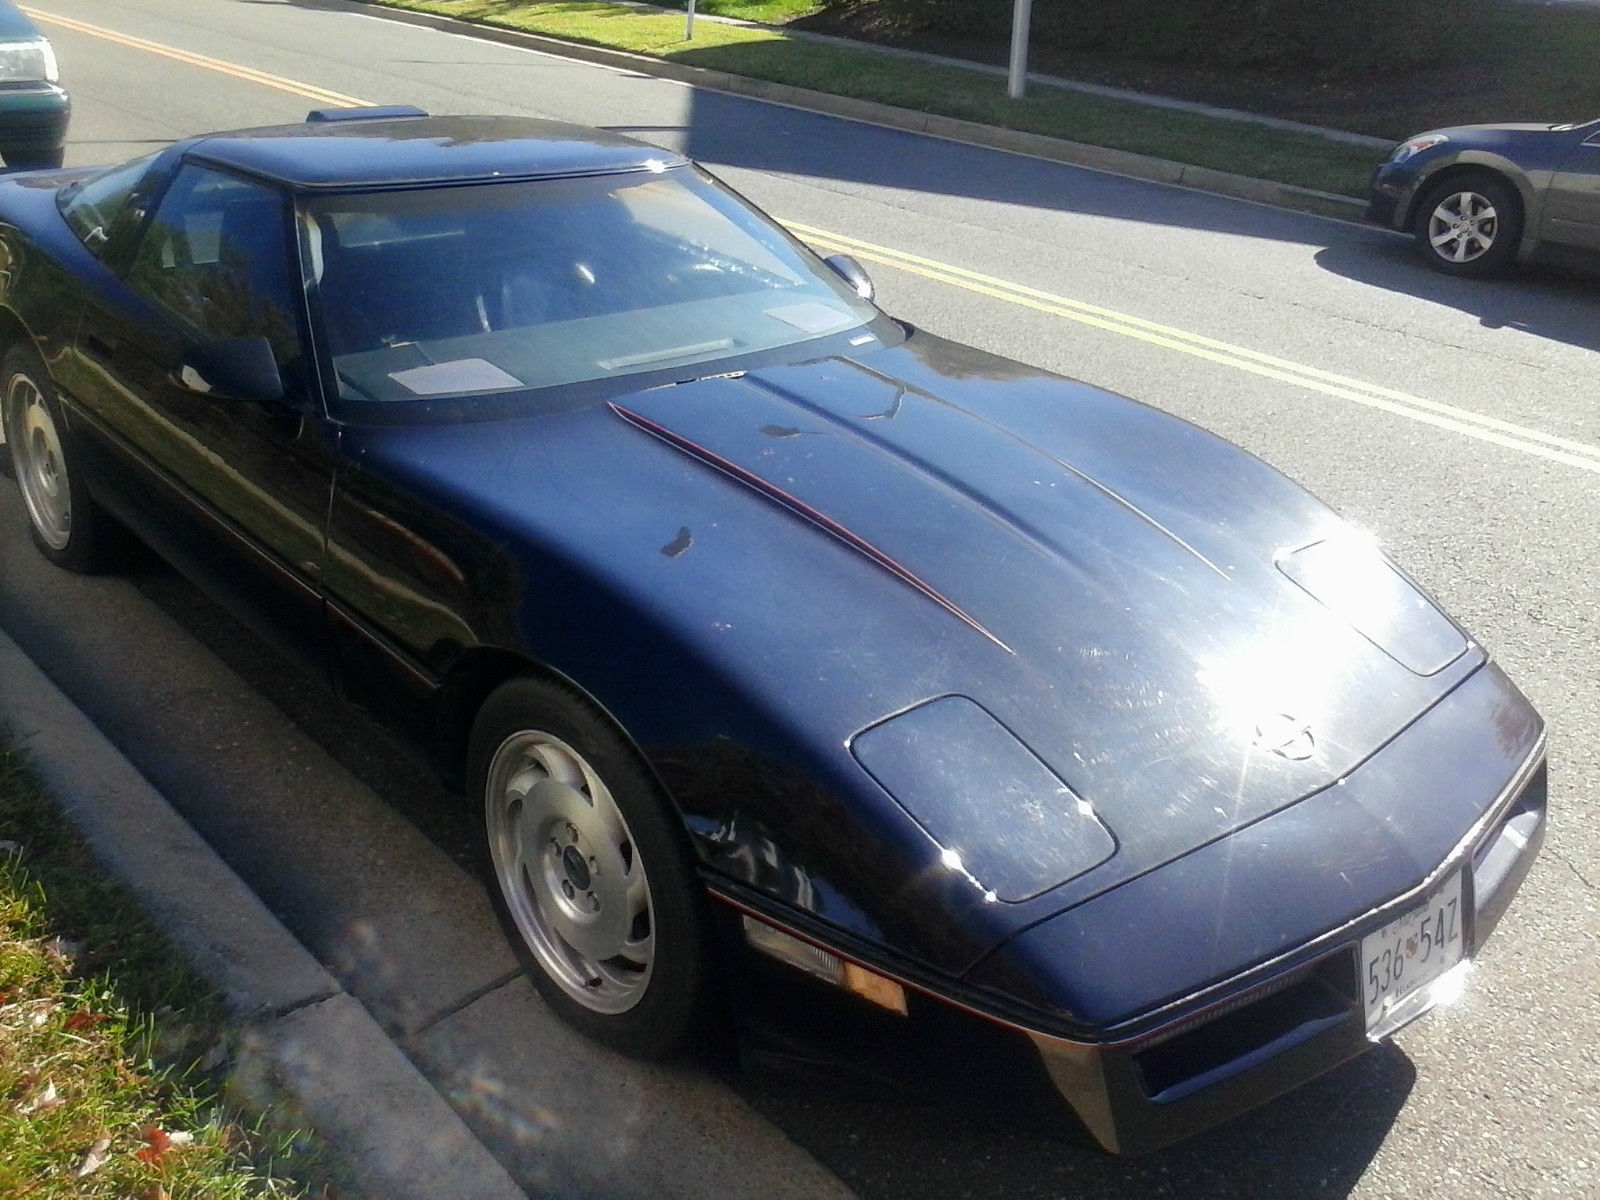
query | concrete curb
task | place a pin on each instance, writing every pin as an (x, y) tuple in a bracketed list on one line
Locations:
[(303, 1039), (1035, 145)]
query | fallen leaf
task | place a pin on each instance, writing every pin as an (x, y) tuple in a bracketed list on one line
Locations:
[(43, 1102), (156, 1144), (94, 1158), (154, 1192), (84, 1018)]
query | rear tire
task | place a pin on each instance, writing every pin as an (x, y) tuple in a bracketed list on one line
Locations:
[(66, 523), (591, 871), (1469, 225)]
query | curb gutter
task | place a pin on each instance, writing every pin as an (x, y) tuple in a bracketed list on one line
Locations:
[(301, 1036), (1036, 145)]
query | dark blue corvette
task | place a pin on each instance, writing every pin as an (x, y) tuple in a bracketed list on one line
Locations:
[(765, 629)]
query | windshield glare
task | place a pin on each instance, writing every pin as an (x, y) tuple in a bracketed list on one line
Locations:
[(533, 284)]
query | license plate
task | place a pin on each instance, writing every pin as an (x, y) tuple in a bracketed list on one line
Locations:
[(1410, 952)]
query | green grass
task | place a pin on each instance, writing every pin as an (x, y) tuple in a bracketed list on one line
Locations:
[(765, 54), (773, 12), (104, 1037)]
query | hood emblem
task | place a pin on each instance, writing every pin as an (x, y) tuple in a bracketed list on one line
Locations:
[(1287, 737)]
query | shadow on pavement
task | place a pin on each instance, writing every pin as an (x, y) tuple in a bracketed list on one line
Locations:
[(1313, 1144), (1557, 302), (370, 864), (721, 132)]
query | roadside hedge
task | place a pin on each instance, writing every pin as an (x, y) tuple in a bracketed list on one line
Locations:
[(1327, 36)]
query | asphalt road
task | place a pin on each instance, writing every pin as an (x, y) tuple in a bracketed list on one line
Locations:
[(1457, 421)]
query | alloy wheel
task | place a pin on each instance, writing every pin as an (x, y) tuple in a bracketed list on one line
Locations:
[(1463, 227), (569, 871), (40, 465)]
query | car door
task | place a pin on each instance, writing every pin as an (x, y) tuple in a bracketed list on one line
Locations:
[(233, 491), (1572, 208)]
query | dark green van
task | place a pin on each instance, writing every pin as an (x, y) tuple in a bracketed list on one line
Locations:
[(33, 107)]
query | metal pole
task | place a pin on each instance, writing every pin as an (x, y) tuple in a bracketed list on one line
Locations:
[(688, 27), (1021, 18)]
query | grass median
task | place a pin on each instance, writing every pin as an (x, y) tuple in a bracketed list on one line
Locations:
[(110, 1048), (1305, 160)]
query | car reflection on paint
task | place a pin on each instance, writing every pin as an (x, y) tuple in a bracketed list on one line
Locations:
[(772, 638), (1479, 198)]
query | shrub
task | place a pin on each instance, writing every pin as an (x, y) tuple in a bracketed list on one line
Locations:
[(1333, 36)]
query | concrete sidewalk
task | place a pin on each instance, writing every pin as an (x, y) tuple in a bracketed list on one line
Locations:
[(298, 1026)]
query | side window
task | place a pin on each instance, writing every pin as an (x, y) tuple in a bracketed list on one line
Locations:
[(216, 257), (95, 209)]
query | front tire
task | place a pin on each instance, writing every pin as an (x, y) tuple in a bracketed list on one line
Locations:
[(70, 529), (591, 872), (1469, 225)]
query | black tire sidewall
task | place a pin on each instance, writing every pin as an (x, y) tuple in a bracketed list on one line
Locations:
[(672, 1014), (1508, 210)]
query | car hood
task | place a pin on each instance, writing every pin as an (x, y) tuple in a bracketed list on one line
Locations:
[(1506, 127), (1170, 634), (1509, 136)]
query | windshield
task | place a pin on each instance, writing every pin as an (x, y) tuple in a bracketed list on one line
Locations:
[(499, 287)]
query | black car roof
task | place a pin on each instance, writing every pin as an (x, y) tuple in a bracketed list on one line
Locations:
[(422, 149)]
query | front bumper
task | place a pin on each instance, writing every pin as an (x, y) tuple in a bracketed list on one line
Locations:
[(1246, 1042), (1266, 1029), (33, 117), (1140, 1095), (1393, 188)]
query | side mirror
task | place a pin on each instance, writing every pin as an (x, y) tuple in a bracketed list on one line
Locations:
[(240, 368), (850, 271)]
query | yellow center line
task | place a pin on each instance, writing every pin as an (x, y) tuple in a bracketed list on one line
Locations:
[(199, 60), (1416, 408)]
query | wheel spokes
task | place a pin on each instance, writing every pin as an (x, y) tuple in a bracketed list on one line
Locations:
[(639, 945), (1463, 227), (616, 833), (562, 765)]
